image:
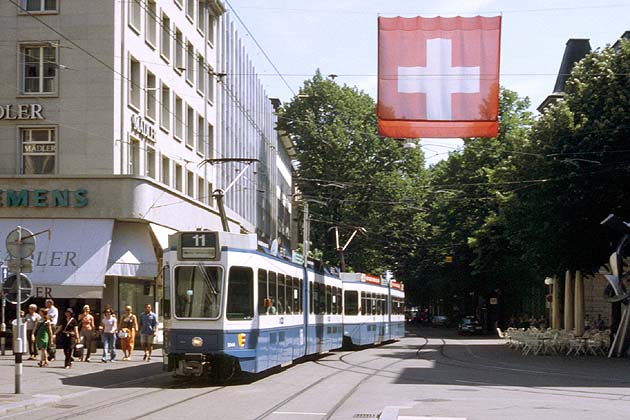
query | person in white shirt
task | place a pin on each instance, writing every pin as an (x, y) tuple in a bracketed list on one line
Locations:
[(109, 325), (53, 316)]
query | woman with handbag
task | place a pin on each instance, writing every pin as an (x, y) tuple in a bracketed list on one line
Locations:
[(69, 329), (127, 333)]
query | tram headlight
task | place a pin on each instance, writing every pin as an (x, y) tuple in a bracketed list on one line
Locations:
[(197, 342)]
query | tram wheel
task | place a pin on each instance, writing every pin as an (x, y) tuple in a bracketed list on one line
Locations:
[(224, 369)]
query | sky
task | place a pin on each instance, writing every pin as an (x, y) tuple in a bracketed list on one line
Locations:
[(294, 38)]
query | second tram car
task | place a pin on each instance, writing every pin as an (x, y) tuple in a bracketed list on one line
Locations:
[(229, 306)]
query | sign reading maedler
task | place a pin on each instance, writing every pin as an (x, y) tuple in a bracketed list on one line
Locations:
[(438, 77), (21, 112)]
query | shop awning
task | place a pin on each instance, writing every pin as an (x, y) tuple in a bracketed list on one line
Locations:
[(132, 253), (72, 262)]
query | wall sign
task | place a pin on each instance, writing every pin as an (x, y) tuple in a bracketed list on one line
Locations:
[(21, 112), (44, 198), (142, 127)]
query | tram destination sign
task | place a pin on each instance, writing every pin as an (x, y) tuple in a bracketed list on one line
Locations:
[(198, 245)]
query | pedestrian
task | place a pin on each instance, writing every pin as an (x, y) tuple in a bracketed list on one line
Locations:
[(87, 331), (68, 332), (43, 337), (127, 334), (108, 307), (53, 316), (148, 331), (31, 319), (109, 327)]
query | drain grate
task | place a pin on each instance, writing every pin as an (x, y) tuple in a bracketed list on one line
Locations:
[(65, 406), (366, 416)]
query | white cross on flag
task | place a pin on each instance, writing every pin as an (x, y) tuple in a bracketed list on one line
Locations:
[(438, 77)]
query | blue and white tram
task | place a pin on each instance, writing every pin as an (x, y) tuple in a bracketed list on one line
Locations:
[(373, 313), (228, 307)]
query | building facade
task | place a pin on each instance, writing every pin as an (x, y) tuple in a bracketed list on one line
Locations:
[(110, 111)]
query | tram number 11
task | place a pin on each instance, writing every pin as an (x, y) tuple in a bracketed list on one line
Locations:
[(198, 245)]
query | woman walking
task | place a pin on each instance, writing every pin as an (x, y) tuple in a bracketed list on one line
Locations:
[(86, 319), (69, 330), (109, 327), (127, 334), (31, 318), (43, 337)]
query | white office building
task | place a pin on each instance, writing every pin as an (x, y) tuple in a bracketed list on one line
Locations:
[(108, 111)]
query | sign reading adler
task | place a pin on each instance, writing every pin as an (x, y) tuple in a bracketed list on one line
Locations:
[(21, 112)]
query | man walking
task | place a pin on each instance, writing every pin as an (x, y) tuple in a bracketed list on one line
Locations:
[(148, 331), (53, 315)]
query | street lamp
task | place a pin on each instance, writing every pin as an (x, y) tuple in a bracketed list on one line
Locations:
[(548, 281)]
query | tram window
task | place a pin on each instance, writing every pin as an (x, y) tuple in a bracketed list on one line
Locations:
[(317, 299), (240, 299), (296, 295), (350, 302), (363, 309), (339, 306), (377, 301), (273, 293), (197, 291), (328, 300), (310, 297), (334, 300), (300, 292), (264, 303), (166, 284), (281, 300)]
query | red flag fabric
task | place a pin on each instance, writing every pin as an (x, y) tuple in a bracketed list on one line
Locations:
[(438, 77)]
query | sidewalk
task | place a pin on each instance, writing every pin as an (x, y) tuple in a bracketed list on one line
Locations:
[(49, 385)]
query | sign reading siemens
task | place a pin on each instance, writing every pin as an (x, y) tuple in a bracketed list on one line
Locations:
[(44, 198)]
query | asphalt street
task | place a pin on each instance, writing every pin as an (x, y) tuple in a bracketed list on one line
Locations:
[(431, 373)]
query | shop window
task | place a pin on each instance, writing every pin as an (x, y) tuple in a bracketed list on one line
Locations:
[(39, 150)]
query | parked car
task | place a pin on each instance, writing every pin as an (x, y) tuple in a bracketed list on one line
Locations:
[(439, 321), (469, 325)]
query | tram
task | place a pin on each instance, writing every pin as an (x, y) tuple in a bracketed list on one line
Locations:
[(229, 307)]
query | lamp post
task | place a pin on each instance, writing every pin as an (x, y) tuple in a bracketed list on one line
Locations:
[(549, 302)]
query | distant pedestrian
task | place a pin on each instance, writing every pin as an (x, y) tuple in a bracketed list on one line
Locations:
[(68, 333), (108, 307), (148, 331), (43, 337), (127, 334), (86, 320), (109, 327), (31, 319), (53, 316)]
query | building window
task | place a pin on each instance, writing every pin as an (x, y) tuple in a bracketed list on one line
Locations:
[(179, 177), (209, 198), (179, 118), (201, 134), (190, 127), (166, 170), (39, 150), (150, 163), (210, 142), (38, 64), (190, 184), (150, 99), (134, 157), (42, 6), (200, 192), (179, 51), (190, 63), (212, 21), (210, 93), (150, 22), (165, 41), (201, 16), (134, 82), (201, 74), (135, 13), (190, 10), (165, 115)]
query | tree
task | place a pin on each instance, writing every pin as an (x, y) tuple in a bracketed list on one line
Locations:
[(352, 178)]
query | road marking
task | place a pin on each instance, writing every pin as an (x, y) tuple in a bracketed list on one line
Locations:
[(299, 413)]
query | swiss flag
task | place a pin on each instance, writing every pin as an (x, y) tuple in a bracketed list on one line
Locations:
[(438, 77)]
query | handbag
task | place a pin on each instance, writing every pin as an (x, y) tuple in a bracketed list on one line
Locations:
[(122, 334)]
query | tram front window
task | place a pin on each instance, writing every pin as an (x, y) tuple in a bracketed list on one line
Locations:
[(197, 291)]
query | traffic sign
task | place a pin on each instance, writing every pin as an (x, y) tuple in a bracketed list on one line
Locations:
[(23, 266), (20, 243), (10, 288)]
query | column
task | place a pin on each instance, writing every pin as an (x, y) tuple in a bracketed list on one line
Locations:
[(568, 302), (579, 304)]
